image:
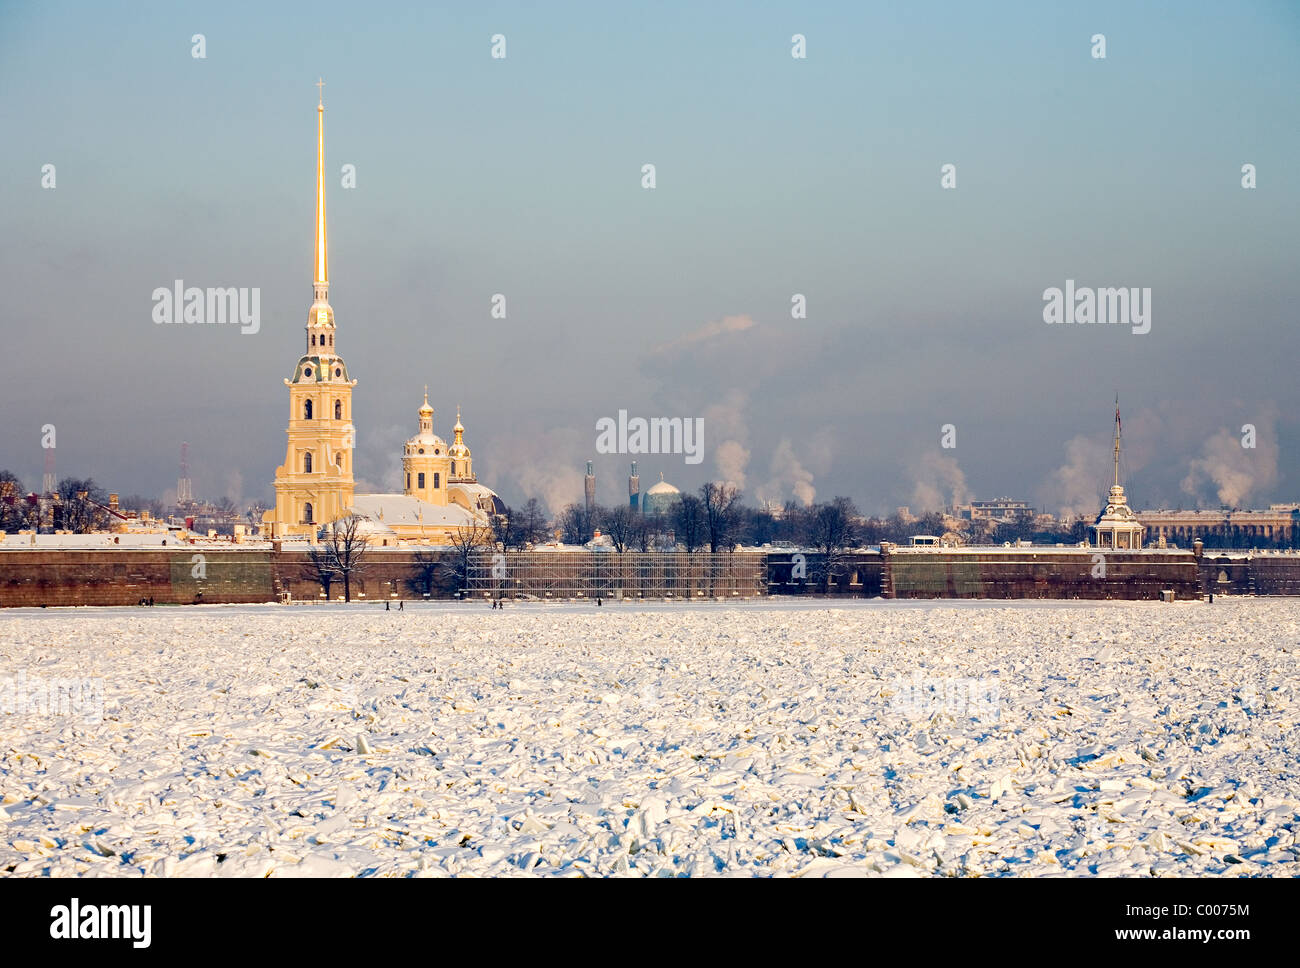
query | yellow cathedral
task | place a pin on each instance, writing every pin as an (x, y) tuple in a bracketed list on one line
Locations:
[(314, 486)]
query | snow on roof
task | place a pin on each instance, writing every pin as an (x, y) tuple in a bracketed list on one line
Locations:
[(401, 509), (119, 540)]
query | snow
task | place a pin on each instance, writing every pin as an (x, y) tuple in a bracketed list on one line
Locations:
[(774, 738)]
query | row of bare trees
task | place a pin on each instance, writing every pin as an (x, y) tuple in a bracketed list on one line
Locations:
[(341, 555), (81, 506)]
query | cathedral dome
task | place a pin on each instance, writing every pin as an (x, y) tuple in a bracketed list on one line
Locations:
[(432, 443), (459, 449), (426, 441), (659, 498)]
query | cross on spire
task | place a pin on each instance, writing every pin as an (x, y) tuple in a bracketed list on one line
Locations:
[(320, 89)]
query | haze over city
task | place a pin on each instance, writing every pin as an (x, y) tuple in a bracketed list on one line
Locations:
[(775, 176)]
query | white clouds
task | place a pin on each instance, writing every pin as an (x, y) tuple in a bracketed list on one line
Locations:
[(1234, 471), (1076, 487), (938, 482)]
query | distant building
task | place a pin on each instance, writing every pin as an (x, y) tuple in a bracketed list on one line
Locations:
[(589, 488), (1280, 524), (1002, 510), (634, 488)]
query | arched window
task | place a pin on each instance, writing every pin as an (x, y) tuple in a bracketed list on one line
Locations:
[(306, 410), (306, 462), (306, 513), (435, 480), (408, 482), (313, 339), (339, 460), (338, 409), (419, 480), (453, 468)]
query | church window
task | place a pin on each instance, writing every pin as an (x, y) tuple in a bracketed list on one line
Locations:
[(419, 480), (339, 460), (313, 339), (338, 409), (408, 482), (306, 513), (306, 462), (338, 372), (435, 480), (453, 468), (306, 371), (306, 410), (421, 450)]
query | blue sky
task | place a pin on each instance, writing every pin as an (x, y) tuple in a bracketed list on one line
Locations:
[(775, 176)]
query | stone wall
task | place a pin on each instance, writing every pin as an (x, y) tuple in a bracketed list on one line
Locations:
[(1041, 573), (186, 575), (35, 577)]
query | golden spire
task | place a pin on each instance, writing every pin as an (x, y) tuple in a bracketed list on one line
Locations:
[(458, 428), (322, 266), (426, 409)]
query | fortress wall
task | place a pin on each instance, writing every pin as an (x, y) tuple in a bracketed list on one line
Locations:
[(124, 576), (33, 577), (1030, 573)]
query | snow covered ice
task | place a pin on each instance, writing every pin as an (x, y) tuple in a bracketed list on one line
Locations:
[(893, 739)]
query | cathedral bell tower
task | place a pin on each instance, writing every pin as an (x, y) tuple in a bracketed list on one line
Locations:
[(314, 485)]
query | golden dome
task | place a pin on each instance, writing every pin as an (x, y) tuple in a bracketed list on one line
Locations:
[(458, 447)]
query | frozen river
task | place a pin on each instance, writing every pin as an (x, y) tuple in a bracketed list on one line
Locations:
[(764, 738)]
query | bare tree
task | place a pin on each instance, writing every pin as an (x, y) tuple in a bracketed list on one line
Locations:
[(13, 506), (688, 520), (619, 522), (464, 542), (721, 504), (506, 531), (831, 531), (756, 526), (532, 522), (138, 502), (643, 531), (576, 524), (425, 566), (321, 567), (348, 546), (81, 504)]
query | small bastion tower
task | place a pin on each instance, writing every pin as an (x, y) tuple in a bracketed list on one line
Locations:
[(1117, 526)]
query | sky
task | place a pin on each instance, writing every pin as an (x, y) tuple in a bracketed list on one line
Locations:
[(774, 176)]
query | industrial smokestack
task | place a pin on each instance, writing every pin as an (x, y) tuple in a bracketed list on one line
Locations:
[(589, 488)]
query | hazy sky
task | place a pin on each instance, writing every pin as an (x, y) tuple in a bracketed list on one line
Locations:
[(775, 176)]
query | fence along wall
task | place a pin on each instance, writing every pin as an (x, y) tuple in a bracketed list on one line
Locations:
[(633, 574)]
